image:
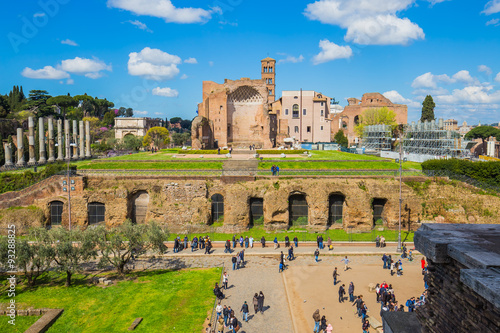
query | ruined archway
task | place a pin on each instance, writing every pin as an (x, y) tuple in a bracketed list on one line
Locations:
[(378, 205), (298, 210), (256, 212), (96, 212), (56, 209), (335, 208), (217, 207), (140, 202)]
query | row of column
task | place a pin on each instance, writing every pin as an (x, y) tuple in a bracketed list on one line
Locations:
[(77, 148)]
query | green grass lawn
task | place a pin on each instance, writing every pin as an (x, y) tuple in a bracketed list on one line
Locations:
[(304, 235), (169, 301), (339, 165), (152, 165), (22, 323)]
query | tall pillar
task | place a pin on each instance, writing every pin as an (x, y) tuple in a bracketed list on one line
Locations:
[(8, 155), (67, 139), (41, 137), (50, 127), (75, 140), (82, 140), (20, 148), (59, 140), (31, 141), (87, 139)]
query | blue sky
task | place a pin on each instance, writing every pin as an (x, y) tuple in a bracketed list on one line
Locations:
[(152, 55)]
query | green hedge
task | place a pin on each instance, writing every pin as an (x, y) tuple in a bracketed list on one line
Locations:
[(487, 172), (204, 152), (279, 152), (12, 181)]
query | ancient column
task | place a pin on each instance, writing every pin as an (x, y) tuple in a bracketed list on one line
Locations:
[(67, 139), (31, 141), (75, 140), (59, 141), (20, 148), (87, 139), (41, 137), (82, 140), (8, 155), (51, 140)]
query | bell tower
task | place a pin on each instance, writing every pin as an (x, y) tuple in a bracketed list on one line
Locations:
[(268, 72)]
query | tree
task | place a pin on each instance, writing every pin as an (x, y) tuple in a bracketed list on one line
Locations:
[(180, 138), (109, 118), (32, 259), (186, 124), (428, 106), (2, 153), (156, 236), (63, 102), (37, 103), (483, 133), (129, 112), (26, 148), (159, 136), (374, 116), (341, 139), (4, 107), (102, 106), (132, 142), (16, 98), (175, 120)]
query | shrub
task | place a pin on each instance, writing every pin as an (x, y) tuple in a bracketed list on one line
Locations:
[(204, 152), (487, 172), (286, 152)]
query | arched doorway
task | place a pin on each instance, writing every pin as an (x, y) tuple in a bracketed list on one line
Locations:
[(56, 209), (140, 203), (378, 205), (217, 207), (297, 210), (256, 211), (336, 208), (96, 212)]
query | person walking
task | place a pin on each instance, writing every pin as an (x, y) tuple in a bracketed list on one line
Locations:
[(316, 255), (233, 260), (422, 263), (296, 241), (329, 328), (364, 309), (335, 276), (321, 247), (317, 320), (366, 326), (208, 247), (287, 241), (392, 267), (244, 309), (261, 302), (218, 310), (276, 245), (250, 241), (290, 253), (351, 292), (225, 280), (234, 241), (263, 242), (346, 263), (282, 260), (329, 243), (227, 247), (238, 260), (220, 326), (255, 302), (341, 293), (247, 241), (233, 324), (358, 303), (384, 259), (225, 313), (322, 324)]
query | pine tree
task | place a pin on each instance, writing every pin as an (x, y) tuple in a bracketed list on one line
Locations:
[(341, 139), (428, 106), (12, 148)]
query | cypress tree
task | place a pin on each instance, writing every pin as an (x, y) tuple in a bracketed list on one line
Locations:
[(2, 154), (26, 148), (428, 106), (37, 142), (13, 148)]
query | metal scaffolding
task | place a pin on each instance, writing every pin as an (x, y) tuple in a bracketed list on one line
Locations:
[(377, 137), (430, 138)]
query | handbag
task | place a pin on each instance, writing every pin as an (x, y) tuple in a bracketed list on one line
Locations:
[(237, 328)]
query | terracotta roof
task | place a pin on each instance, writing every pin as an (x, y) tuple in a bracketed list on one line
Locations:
[(267, 59)]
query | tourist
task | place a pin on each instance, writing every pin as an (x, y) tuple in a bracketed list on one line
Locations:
[(358, 303), (225, 278), (411, 304), (290, 253), (261, 302), (346, 263), (276, 245), (234, 260), (351, 292), (217, 292), (238, 260), (194, 243), (316, 255), (218, 310), (393, 265), (341, 293), (317, 241), (273, 170), (220, 326), (233, 324), (364, 309), (208, 247), (210, 329), (186, 242), (287, 241), (410, 256), (400, 267), (176, 245), (389, 260), (382, 241), (244, 309), (241, 241), (250, 241), (202, 242), (320, 241), (234, 241), (256, 303), (377, 241), (317, 320), (282, 260), (246, 242), (242, 254), (278, 170), (422, 264), (296, 241), (335, 276), (263, 242), (377, 292), (329, 243), (226, 312), (384, 259), (401, 308), (227, 247), (323, 323), (329, 328), (280, 267), (366, 326)]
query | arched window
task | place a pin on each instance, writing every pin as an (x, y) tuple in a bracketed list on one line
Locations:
[(256, 211), (217, 207), (336, 208), (140, 203), (297, 210), (356, 120), (378, 205), (295, 111), (96, 211), (56, 209)]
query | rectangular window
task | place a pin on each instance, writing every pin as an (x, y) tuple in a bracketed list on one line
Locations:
[(321, 127), (304, 112), (296, 129), (308, 129), (270, 69), (322, 103), (286, 112), (270, 91), (322, 113)]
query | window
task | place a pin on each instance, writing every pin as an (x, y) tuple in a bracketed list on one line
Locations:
[(321, 127), (278, 112), (297, 210), (270, 81), (322, 113), (56, 208), (336, 205), (296, 129), (286, 112), (96, 212), (256, 211), (322, 103), (270, 91), (295, 97), (295, 111), (265, 69), (270, 69), (217, 207), (378, 205), (304, 112), (140, 207), (228, 130), (221, 108), (308, 129)]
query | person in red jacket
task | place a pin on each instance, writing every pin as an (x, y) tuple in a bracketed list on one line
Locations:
[(422, 262)]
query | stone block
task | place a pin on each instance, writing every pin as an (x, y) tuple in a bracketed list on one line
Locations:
[(371, 287), (136, 322), (102, 280), (22, 312), (108, 282), (35, 312)]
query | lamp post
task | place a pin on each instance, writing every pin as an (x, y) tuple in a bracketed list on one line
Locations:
[(399, 250)]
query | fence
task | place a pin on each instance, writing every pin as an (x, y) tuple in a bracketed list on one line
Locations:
[(213, 317)]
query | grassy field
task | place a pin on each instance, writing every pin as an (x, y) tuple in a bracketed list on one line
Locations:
[(169, 301), (153, 165), (22, 323), (339, 165), (303, 235)]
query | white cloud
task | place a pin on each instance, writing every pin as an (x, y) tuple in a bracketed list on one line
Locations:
[(210, 63), (140, 25), (493, 22), (183, 77), (91, 68), (69, 42), (471, 94), (368, 22), (48, 73), (497, 78), (39, 14), (158, 113), (191, 61), (331, 51), (291, 59), (464, 77), (433, 2), (164, 9), (485, 69), (166, 92), (492, 7), (70, 81), (153, 64), (424, 81), (429, 80), (396, 97), (140, 113)]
